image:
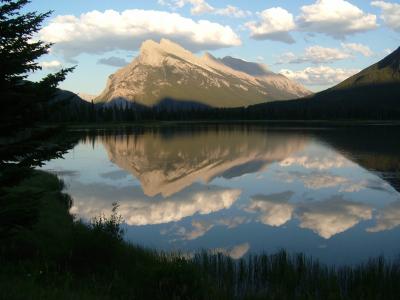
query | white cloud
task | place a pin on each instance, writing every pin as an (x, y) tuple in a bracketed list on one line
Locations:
[(274, 24), (199, 229), (235, 252), (199, 7), (331, 217), (260, 58), (318, 54), (315, 180), (233, 11), (51, 65), (113, 61), (232, 222), (326, 162), (336, 18), (357, 48), (315, 55), (275, 210), (288, 58), (326, 218), (388, 218), (170, 210), (320, 75), (390, 13), (238, 251), (373, 184), (100, 32), (321, 179), (137, 209)]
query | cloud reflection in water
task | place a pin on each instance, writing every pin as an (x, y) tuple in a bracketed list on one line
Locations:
[(138, 209), (187, 189)]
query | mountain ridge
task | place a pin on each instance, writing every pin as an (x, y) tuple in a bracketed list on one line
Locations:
[(373, 93), (385, 71), (167, 70)]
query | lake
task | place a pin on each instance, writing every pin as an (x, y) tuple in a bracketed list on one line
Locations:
[(332, 193)]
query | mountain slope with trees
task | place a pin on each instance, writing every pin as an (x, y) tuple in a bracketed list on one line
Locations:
[(373, 93)]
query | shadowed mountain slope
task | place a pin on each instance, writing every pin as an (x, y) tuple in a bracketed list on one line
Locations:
[(372, 93)]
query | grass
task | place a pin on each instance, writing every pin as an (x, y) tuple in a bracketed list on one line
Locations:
[(46, 254)]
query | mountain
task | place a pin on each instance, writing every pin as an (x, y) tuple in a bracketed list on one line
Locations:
[(372, 93), (68, 98), (200, 155), (381, 80), (386, 71), (165, 70), (87, 97), (68, 106)]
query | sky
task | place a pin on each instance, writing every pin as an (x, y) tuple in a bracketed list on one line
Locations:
[(318, 43)]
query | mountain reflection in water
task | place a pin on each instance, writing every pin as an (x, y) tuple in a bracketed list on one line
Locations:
[(168, 165), (330, 193)]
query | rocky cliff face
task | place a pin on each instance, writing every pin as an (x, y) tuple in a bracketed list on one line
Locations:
[(166, 70)]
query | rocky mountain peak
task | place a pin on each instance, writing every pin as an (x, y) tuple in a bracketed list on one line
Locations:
[(166, 70), (154, 53), (151, 53)]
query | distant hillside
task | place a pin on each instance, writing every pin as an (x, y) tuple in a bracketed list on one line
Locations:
[(68, 106), (165, 70), (372, 93), (87, 97), (386, 71), (68, 98), (378, 82)]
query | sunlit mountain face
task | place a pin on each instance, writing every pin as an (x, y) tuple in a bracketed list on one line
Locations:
[(240, 191), (166, 70)]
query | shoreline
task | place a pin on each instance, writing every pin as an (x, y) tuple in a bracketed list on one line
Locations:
[(273, 123)]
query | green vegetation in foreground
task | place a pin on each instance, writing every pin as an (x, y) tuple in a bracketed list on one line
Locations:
[(46, 254)]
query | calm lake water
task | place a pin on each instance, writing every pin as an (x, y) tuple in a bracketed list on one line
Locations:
[(330, 193)]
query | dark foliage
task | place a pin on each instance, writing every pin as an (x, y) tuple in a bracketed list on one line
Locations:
[(23, 102), (20, 208), (374, 102), (17, 52)]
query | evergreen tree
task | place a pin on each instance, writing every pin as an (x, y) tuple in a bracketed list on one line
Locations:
[(23, 102)]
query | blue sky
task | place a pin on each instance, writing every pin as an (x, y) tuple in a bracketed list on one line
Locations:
[(316, 42)]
